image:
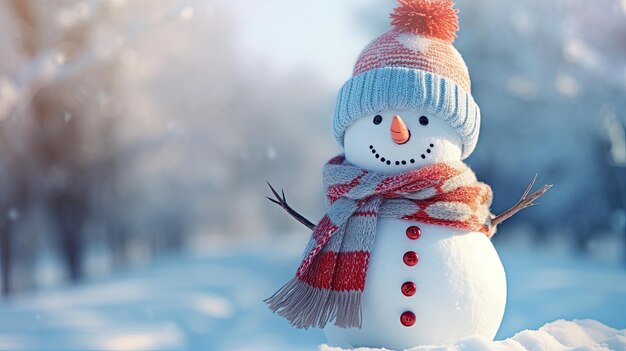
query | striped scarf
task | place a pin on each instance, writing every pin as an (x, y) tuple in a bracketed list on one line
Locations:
[(330, 280)]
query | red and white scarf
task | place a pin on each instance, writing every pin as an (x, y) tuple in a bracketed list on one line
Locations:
[(330, 280)]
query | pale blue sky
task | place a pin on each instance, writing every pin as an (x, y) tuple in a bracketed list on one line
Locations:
[(288, 34)]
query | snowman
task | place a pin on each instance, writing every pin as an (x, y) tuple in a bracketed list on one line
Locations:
[(403, 256)]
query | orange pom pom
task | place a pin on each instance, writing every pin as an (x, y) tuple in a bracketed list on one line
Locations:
[(432, 18)]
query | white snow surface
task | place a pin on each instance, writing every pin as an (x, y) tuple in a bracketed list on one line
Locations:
[(562, 335), (213, 300)]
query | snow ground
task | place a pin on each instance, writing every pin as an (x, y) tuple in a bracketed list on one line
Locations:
[(213, 301), (556, 336)]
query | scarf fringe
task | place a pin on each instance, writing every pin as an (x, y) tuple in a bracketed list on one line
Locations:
[(305, 306)]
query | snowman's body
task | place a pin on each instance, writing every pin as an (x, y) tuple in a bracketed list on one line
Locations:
[(460, 288), (460, 285)]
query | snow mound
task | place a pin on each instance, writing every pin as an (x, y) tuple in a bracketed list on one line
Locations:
[(579, 335)]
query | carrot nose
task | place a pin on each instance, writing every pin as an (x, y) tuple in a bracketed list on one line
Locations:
[(399, 132)]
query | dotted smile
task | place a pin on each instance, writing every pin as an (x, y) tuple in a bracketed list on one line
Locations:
[(401, 162)]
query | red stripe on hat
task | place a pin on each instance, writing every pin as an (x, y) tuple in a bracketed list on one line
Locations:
[(432, 56)]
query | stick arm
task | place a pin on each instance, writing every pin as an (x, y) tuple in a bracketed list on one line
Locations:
[(282, 202), (524, 202)]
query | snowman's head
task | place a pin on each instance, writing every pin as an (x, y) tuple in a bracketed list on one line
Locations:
[(393, 141), (414, 72)]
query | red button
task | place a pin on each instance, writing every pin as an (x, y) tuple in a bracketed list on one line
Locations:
[(407, 318), (413, 232), (408, 288), (410, 258)]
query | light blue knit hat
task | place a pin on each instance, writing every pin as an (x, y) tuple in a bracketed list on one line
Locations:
[(413, 67)]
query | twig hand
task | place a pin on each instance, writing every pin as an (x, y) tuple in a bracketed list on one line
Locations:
[(282, 202), (524, 202)]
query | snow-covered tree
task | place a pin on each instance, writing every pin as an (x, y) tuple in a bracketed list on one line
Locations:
[(136, 127)]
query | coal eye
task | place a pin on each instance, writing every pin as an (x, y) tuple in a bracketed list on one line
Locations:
[(378, 119), (424, 120)]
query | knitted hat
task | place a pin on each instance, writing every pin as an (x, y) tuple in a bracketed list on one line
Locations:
[(413, 67)]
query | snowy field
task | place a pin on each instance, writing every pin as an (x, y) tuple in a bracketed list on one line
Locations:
[(556, 336), (212, 301)]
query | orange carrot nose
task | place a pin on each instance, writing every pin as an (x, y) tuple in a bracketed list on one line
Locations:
[(399, 132)]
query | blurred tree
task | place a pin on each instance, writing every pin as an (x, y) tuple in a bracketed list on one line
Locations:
[(16, 163), (126, 126), (58, 119), (230, 125)]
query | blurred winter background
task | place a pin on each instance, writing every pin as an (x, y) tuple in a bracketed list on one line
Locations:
[(136, 138)]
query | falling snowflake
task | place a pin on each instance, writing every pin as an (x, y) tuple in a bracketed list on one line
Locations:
[(186, 13), (271, 153), (13, 214)]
